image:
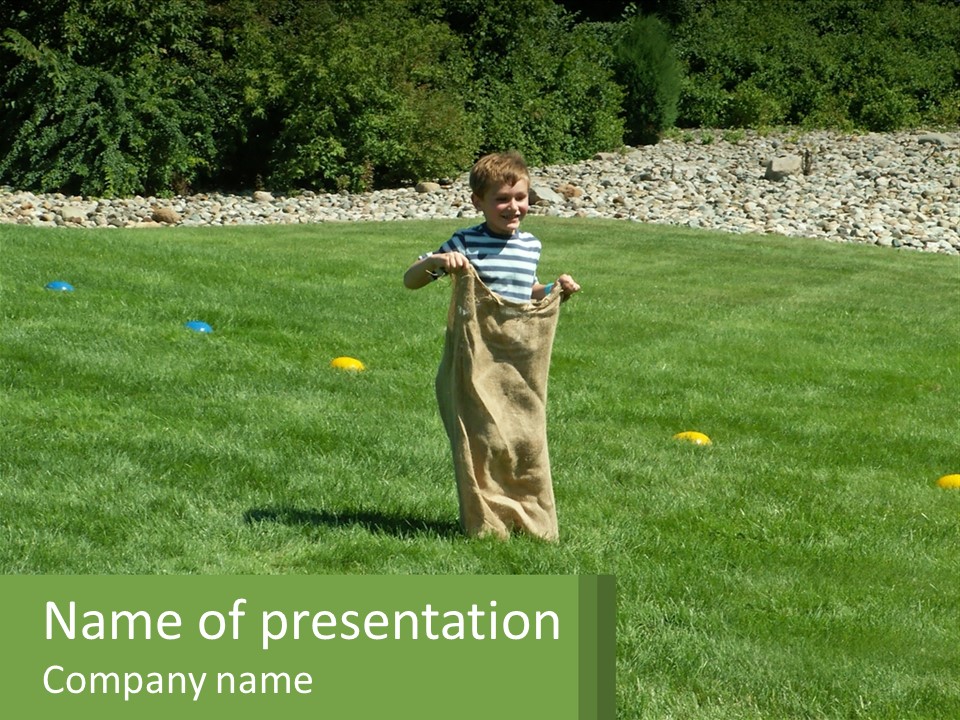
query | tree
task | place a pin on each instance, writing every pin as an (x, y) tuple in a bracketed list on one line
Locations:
[(539, 83), (648, 70), (106, 97)]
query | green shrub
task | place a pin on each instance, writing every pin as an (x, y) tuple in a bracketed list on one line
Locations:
[(648, 70), (385, 93), (372, 98), (67, 129), (110, 100), (837, 63), (750, 106), (903, 60), (127, 96), (544, 86), (947, 111), (880, 107), (703, 102)]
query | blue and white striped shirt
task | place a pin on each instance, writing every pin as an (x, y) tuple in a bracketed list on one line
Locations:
[(506, 265)]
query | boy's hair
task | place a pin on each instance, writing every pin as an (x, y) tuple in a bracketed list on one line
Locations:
[(498, 169)]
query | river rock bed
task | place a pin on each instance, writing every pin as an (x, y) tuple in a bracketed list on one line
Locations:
[(899, 190)]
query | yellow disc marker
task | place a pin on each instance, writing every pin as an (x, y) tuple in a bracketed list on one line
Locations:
[(949, 481), (347, 363), (697, 438)]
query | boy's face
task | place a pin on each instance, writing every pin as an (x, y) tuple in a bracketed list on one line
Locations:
[(504, 206)]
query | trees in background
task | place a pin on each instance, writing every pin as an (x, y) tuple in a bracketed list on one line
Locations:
[(129, 96), (106, 97), (342, 98), (117, 97), (647, 68), (537, 82), (847, 64)]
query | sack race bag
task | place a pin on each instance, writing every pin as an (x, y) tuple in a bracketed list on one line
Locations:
[(492, 391)]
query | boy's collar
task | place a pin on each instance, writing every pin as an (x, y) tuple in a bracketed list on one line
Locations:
[(501, 236)]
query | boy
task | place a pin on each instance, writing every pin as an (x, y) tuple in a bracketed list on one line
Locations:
[(504, 257), (491, 384)]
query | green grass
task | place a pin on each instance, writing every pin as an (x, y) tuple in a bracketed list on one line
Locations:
[(803, 566)]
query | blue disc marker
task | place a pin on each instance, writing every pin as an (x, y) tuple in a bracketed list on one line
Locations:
[(200, 327), (60, 286)]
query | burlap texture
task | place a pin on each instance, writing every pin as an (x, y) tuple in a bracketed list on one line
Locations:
[(492, 391)]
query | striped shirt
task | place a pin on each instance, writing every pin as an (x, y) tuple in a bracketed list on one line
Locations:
[(506, 265)]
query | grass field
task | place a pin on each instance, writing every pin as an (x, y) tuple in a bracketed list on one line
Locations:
[(803, 566)]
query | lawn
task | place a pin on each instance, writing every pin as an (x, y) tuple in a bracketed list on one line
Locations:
[(805, 565)]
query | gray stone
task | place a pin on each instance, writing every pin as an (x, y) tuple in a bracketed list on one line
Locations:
[(165, 215), (570, 191), (544, 195), (779, 168), (76, 214), (939, 139)]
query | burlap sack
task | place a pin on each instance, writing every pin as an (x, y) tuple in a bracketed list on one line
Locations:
[(492, 392)]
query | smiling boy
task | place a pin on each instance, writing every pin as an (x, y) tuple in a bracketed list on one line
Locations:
[(492, 380), (504, 256)]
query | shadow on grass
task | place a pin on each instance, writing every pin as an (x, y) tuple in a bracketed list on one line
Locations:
[(375, 522)]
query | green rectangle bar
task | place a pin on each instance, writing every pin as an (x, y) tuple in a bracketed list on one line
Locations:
[(598, 647), (606, 647), (307, 646)]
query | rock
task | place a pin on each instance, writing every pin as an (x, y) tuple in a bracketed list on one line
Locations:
[(165, 215), (543, 195), (939, 139), (570, 191), (262, 196), (427, 187), (780, 167), (74, 214)]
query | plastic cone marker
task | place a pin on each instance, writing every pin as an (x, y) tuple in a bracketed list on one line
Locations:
[(199, 326), (347, 363), (949, 481), (59, 286), (697, 438)]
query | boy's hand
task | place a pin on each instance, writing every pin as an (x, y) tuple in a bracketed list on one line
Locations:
[(449, 262), (568, 285)]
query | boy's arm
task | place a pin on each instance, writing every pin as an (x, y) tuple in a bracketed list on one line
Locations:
[(568, 286), (421, 273)]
